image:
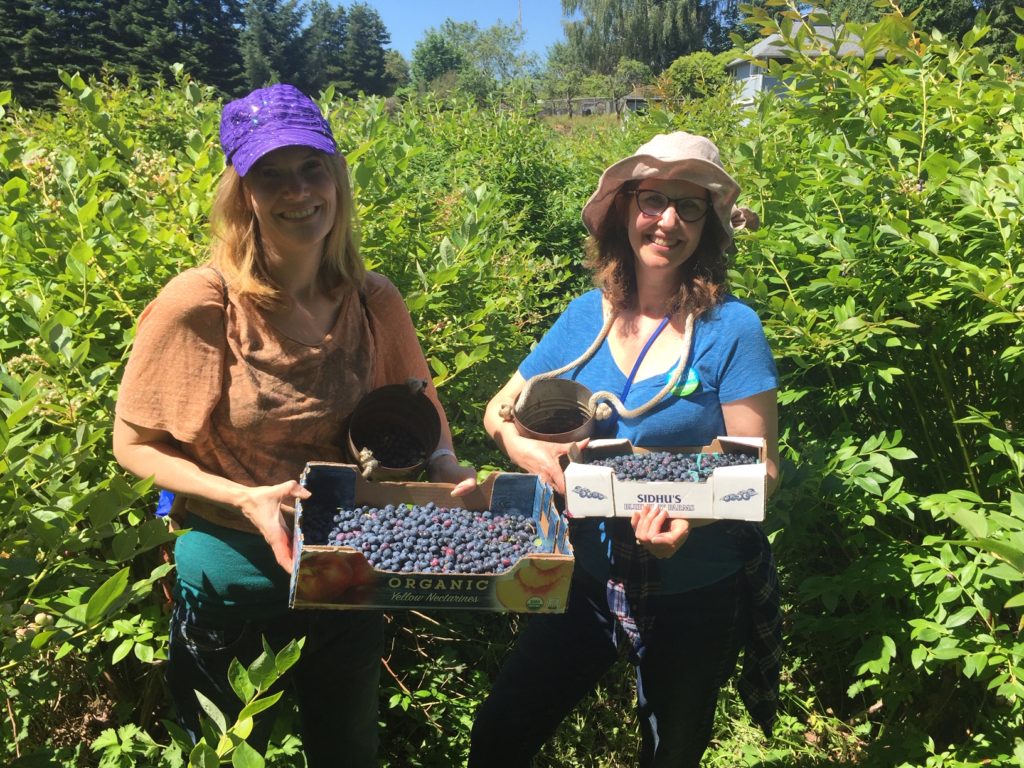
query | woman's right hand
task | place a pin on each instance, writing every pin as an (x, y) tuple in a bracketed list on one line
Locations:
[(539, 457), (154, 453), (262, 506)]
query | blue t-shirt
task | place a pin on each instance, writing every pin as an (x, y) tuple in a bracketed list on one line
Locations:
[(729, 360)]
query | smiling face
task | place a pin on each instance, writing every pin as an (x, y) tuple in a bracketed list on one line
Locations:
[(293, 196), (664, 242)]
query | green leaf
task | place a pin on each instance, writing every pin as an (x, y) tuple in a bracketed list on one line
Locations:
[(901, 454), (262, 671), (974, 522), (289, 655), (81, 252), (203, 756), (869, 484), (238, 677), (87, 212), (851, 324), (122, 650), (929, 240), (1013, 555), (42, 638), (1017, 505), (245, 756), (961, 617), (153, 533), (123, 545), (975, 663), (261, 704), (212, 712), (104, 597)]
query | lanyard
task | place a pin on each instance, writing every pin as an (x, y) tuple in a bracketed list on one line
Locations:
[(636, 365)]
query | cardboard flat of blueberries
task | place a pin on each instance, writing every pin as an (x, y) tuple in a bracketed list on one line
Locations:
[(340, 577), (731, 493)]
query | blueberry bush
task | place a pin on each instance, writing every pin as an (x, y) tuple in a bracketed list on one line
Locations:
[(888, 273)]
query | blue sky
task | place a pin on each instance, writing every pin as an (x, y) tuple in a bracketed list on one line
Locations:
[(407, 20)]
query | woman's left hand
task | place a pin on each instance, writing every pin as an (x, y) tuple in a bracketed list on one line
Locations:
[(447, 469), (656, 532)]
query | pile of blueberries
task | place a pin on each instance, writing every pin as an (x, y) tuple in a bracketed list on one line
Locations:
[(429, 538), (674, 467)]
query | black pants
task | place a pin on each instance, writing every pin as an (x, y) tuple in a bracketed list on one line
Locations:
[(559, 659), (335, 681)]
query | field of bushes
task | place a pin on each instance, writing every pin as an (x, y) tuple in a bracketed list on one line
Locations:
[(889, 274)]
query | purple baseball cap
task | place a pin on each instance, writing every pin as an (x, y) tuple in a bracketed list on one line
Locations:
[(271, 118)]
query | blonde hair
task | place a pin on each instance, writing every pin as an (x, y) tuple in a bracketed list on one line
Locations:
[(237, 249), (703, 277)]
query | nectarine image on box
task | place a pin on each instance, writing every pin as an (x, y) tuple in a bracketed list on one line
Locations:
[(392, 545)]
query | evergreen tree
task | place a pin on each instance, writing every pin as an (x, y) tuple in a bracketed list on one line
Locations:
[(83, 32), (323, 44), (365, 45), (1006, 26), (42, 37), (142, 35), (270, 43), (210, 48), (26, 51)]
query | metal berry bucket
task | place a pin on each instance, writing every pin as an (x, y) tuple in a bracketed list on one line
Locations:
[(393, 431), (554, 410)]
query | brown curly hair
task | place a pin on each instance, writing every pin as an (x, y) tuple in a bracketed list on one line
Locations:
[(703, 280)]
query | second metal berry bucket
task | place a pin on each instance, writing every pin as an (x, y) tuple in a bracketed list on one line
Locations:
[(393, 431), (554, 410)]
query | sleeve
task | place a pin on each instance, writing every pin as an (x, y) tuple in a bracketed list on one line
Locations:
[(173, 377), (398, 355), (746, 367), (561, 343)]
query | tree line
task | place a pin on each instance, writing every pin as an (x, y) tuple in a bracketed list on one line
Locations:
[(609, 49), (233, 45)]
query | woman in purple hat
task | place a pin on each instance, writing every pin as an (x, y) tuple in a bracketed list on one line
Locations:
[(685, 362), (243, 370)]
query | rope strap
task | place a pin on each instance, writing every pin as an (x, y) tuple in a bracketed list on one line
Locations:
[(507, 411), (601, 403)]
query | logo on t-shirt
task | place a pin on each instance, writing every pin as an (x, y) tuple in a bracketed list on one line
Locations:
[(688, 383)]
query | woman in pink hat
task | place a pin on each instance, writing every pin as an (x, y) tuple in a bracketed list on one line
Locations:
[(243, 370), (678, 598)]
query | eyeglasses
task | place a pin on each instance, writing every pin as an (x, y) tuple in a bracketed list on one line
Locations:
[(653, 203)]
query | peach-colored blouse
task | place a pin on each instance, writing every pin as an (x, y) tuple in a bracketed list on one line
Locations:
[(247, 402)]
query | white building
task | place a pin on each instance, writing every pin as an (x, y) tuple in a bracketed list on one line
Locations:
[(751, 71)]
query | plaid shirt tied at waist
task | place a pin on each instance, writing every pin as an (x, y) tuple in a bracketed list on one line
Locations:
[(633, 579)]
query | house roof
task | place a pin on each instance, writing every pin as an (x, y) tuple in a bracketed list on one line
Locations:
[(824, 36)]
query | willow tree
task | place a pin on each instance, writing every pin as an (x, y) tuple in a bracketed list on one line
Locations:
[(656, 32)]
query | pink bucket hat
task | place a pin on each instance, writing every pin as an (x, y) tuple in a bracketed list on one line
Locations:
[(676, 155)]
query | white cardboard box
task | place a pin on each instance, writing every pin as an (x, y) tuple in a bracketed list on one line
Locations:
[(731, 493)]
